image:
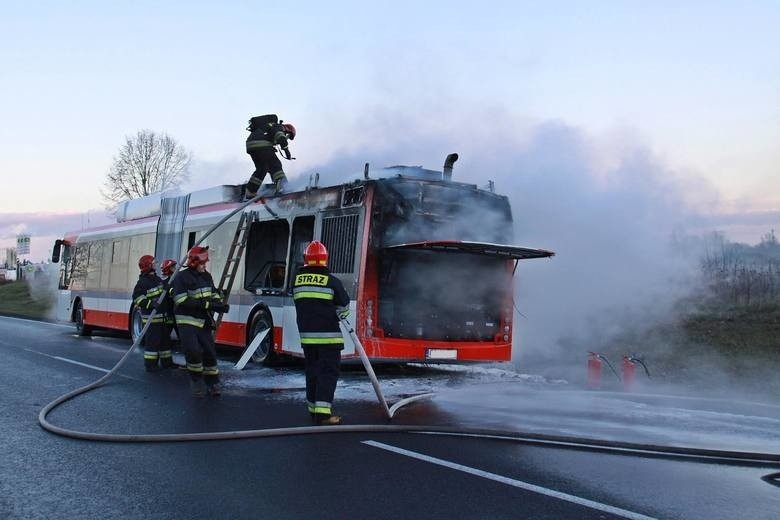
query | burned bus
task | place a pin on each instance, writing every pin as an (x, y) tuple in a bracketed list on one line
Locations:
[(427, 262)]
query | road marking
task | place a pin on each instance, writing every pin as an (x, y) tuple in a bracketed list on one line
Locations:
[(512, 482), (79, 363)]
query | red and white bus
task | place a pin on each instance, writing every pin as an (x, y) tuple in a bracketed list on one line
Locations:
[(426, 261)]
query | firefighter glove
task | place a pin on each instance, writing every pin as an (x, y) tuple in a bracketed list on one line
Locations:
[(220, 307), (344, 314)]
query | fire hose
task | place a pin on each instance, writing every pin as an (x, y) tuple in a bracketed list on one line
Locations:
[(569, 442)]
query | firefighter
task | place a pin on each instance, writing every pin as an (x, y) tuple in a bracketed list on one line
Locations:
[(166, 308), (195, 298), (266, 133), (320, 301), (147, 290)]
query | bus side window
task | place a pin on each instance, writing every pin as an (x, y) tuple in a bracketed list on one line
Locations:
[(266, 248)]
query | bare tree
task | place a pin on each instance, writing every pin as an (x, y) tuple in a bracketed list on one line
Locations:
[(147, 163)]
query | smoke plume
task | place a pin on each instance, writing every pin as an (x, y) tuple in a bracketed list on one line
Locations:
[(607, 207)]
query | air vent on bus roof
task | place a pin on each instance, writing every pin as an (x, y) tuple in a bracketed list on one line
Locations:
[(149, 206)]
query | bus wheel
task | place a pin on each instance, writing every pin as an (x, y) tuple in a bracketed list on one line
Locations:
[(264, 354), (136, 325), (78, 314)]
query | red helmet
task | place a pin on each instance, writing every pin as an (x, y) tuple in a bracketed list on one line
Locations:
[(197, 255), (316, 254), (289, 130), (168, 266), (146, 263)]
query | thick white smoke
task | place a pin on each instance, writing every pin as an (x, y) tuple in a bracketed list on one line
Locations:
[(608, 209)]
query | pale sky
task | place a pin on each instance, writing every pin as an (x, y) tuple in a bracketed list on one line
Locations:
[(696, 83)]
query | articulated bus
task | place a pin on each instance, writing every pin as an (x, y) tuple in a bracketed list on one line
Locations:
[(427, 263)]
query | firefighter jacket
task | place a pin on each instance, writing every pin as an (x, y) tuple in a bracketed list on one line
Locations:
[(319, 296), (166, 307), (147, 290), (193, 294), (266, 136)]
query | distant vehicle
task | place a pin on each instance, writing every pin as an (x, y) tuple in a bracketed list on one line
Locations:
[(425, 260)]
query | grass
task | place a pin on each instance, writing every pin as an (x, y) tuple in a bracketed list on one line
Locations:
[(716, 349), (15, 300)]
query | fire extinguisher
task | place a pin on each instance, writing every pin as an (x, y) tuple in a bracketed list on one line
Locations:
[(629, 372), (594, 371), (595, 362)]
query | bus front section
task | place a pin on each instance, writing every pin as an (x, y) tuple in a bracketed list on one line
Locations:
[(439, 273)]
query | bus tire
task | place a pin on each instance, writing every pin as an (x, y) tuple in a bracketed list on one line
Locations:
[(78, 317), (136, 324), (264, 355)]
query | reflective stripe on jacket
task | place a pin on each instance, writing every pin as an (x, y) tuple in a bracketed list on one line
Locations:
[(147, 290), (192, 296), (318, 297)]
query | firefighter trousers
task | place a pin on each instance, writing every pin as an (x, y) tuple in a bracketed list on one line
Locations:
[(322, 374), (266, 161), (157, 347), (200, 353)]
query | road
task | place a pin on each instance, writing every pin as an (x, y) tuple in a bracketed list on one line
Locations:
[(338, 475)]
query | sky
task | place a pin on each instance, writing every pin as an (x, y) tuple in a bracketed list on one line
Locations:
[(694, 85)]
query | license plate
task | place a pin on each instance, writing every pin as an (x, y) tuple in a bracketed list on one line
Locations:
[(441, 353)]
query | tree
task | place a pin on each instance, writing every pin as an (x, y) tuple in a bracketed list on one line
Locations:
[(147, 163)]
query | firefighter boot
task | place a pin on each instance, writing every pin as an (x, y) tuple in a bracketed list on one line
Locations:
[(167, 363), (280, 186), (197, 387), (328, 420), (151, 365)]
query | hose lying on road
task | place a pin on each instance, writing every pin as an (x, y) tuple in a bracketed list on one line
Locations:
[(720, 456)]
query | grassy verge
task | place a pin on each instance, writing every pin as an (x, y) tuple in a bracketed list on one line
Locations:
[(15, 299), (719, 350)]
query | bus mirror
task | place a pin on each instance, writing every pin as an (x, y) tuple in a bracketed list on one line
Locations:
[(55, 254)]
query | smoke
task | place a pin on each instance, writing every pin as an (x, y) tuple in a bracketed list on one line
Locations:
[(606, 205)]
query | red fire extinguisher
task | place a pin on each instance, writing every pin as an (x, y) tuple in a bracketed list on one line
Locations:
[(629, 373), (594, 371)]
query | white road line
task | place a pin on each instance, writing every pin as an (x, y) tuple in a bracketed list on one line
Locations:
[(512, 482), (79, 363)]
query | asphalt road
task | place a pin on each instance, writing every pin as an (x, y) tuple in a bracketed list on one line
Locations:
[(339, 475)]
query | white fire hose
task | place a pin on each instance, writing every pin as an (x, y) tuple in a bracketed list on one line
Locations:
[(367, 365)]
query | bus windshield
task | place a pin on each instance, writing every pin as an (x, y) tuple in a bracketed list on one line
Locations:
[(436, 295), (409, 210)]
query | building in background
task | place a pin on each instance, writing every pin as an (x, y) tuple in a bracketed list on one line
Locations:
[(8, 258)]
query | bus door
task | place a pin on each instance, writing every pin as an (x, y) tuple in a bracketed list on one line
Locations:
[(265, 266), (61, 254), (302, 234)]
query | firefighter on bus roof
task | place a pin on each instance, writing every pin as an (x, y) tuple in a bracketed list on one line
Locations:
[(320, 300), (167, 268), (266, 133), (147, 290), (195, 298)]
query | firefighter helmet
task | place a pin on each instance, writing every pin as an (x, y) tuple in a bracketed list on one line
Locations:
[(197, 255), (289, 129), (146, 263), (316, 254), (168, 266)]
